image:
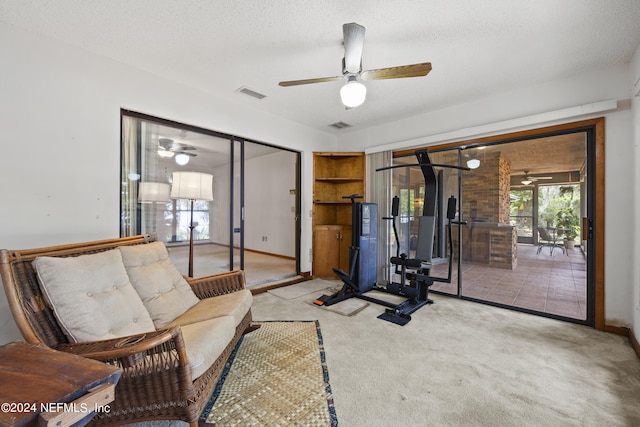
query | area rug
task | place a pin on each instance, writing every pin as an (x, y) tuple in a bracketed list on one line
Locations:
[(276, 376), (348, 307), (301, 289)]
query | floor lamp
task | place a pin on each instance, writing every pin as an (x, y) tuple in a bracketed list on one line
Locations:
[(153, 192), (192, 186)]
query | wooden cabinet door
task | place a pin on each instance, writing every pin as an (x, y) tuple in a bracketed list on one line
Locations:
[(331, 246), (326, 251)]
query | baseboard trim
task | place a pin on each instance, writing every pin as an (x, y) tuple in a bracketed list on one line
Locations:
[(291, 258), (618, 330), (269, 286), (634, 342), (625, 332)]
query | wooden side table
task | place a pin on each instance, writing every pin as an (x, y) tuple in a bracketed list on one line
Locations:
[(43, 387)]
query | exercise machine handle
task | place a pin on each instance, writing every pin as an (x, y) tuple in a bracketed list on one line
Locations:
[(353, 197), (395, 206)]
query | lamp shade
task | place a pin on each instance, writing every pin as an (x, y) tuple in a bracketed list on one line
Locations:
[(192, 186), (149, 192)]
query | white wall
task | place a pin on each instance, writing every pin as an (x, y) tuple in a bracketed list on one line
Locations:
[(269, 205), (556, 102), (634, 232), (60, 137)]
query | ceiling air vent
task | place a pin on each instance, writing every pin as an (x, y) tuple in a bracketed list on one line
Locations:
[(340, 125), (251, 93)]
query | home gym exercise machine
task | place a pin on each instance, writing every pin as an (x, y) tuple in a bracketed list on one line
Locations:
[(415, 277)]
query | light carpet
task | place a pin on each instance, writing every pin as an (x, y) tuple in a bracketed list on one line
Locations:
[(459, 363), (277, 376)]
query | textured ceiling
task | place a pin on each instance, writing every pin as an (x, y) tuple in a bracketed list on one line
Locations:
[(476, 47)]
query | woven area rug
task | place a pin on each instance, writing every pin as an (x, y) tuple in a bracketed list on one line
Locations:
[(276, 376)]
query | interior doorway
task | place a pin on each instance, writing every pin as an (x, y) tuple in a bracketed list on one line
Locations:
[(243, 227), (541, 182)]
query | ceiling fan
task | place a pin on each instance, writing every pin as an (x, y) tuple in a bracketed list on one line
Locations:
[(528, 179), (168, 148), (353, 93)]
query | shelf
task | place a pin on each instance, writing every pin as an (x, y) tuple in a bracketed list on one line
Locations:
[(335, 175), (338, 154), (332, 202), (340, 179)]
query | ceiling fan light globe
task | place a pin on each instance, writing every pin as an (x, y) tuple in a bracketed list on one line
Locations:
[(353, 94), (526, 181), (182, 159), (473, 163)]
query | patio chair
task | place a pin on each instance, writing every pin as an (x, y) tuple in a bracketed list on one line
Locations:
[(547, 238)]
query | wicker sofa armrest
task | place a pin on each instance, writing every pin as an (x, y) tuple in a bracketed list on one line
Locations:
[(135, 349), (218, 284)]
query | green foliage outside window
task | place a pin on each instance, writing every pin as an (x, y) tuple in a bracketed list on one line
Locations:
[(559, 207)]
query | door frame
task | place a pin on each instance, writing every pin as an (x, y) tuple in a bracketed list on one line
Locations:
[(236, 144), (597, 126)]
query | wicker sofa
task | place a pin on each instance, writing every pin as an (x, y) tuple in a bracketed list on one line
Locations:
[(169, 367)]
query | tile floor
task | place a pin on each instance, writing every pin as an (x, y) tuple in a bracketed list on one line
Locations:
[(554, 284)]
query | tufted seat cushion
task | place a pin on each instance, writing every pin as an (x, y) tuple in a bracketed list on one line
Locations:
[(164, 291), (205, 341), (235, 304), (92, 297)]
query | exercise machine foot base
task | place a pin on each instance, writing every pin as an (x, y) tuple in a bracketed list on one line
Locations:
[(394, 317), (401, 314), (328, 300)]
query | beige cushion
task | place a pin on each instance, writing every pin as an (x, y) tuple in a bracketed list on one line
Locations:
[(205, 341), (235, 304), (92, 297), (164, 291)]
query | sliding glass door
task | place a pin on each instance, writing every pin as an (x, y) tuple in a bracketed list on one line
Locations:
[(518, 231), (243, 227)]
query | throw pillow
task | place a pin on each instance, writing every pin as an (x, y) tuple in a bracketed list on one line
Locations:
[(163, 290)]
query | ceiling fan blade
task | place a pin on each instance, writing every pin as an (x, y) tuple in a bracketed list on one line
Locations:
[(402, 71), (309, 81), (178, 146), (353, 43)]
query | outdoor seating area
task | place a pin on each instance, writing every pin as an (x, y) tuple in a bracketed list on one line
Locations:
[(548, 237)]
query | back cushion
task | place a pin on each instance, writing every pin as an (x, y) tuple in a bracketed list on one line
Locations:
[(92, 297), (163, 290)]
